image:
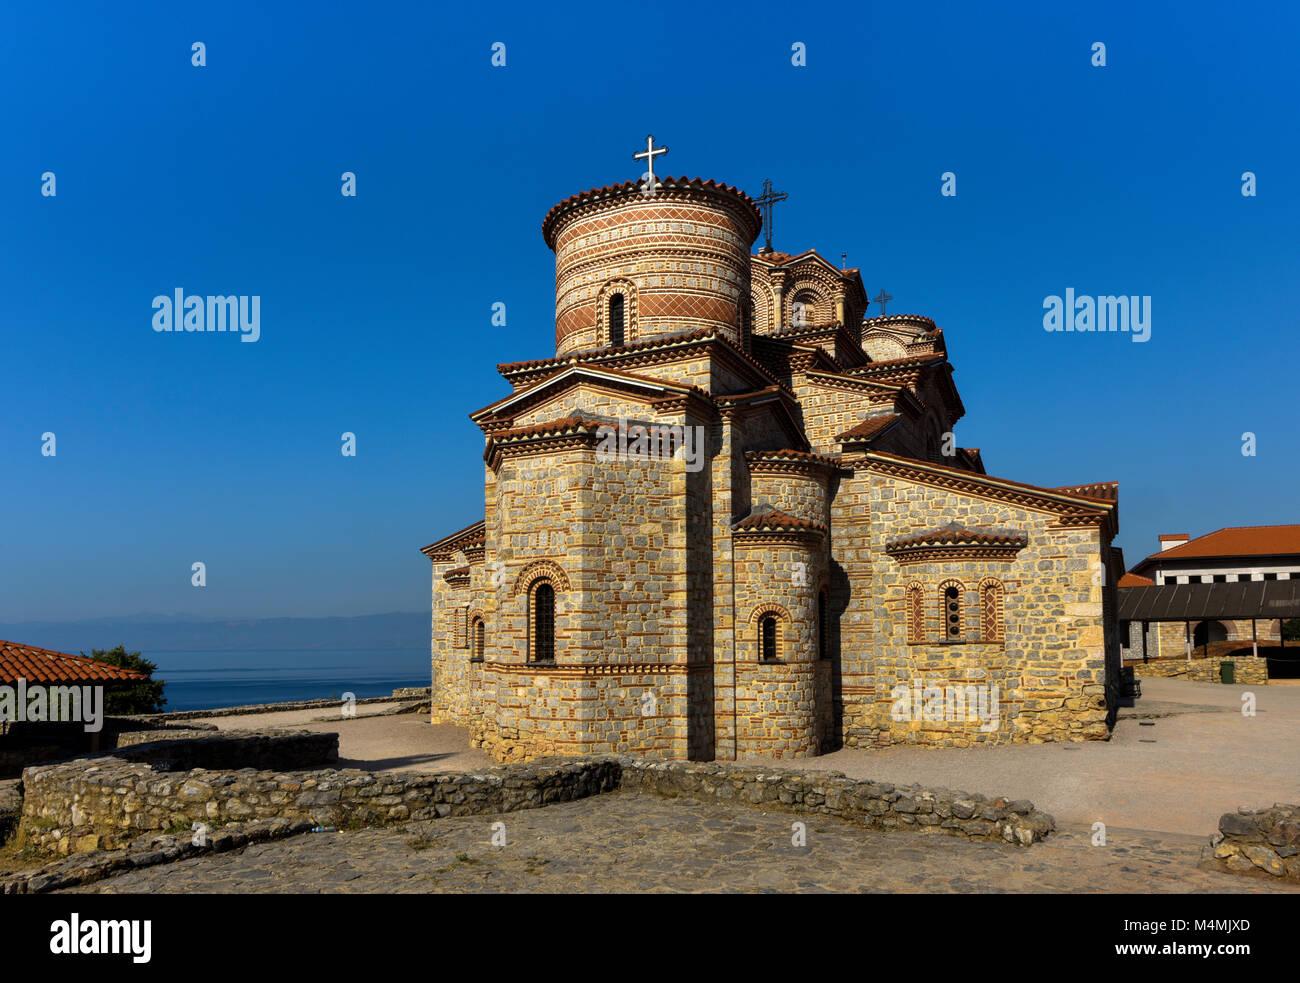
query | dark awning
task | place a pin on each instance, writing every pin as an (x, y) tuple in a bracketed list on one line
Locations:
[(1196, 602)]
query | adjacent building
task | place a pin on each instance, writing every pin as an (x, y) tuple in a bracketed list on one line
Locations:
[(1230, 555)]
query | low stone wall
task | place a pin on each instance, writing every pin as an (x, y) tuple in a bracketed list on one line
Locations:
[(1249, 671), (11, 809), (412, 692), (146, 851), (163, 718), (873, 804), (271, 749), (105, 803), (1265, 840)]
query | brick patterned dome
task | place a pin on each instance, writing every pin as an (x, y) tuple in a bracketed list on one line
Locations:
[(679, 259)]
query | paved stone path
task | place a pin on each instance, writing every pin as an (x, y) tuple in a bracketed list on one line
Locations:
[(373, 742), (1179, 775), (628, 842)]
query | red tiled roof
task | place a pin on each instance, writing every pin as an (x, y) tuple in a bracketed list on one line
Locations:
[(471, 535), (1174, 537), (1134, 580), (872, 426), (505, 368), (1237, 541), (882, 320), (775, 520), (957, 536), (667, 183), (894, 364), (1104, 491), (788, 455), (564, 424), (45, 666)]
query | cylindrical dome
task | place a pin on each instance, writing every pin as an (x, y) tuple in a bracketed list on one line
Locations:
[(629, 267)]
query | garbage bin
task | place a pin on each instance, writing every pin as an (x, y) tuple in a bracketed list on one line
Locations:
[(1227, 672)]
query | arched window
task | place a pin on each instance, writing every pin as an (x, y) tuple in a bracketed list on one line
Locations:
[(992, 628), (805, 309), (543, 623), (823, 627), (950, 610), (479, 641), (616, 319), (767, 638), (915, 613)]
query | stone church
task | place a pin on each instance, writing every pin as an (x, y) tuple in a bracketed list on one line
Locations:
[(828, 568)]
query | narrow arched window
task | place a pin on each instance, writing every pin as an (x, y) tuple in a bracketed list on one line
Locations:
[(915, 613), (767, 639), (823, 628), (992, 628), (479, 640), (544, 623), (616, 319), (952, 611)]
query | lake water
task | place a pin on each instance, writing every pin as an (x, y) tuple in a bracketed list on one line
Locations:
[(208, 680)]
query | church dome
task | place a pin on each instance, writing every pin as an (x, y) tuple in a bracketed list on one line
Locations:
[(631, 266)]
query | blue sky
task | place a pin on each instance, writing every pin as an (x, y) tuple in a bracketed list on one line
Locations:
[(176, 448)]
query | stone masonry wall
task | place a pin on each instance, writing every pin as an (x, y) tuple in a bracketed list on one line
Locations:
[(1050, 663), (776, 702), (78, 806), (107, 803), (1248, 671), (1265, 840), (875, 805)]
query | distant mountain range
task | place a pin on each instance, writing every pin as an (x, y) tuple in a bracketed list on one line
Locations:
[(379, 632)]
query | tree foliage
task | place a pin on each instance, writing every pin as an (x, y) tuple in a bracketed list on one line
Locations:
[(145, 696)]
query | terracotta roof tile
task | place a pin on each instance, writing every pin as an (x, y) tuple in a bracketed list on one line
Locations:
[(666, 183), (871, 427), (562, 361), (954, 535), (884, 320), (1134, 580), (471, 535), (789, 455), (774, 520), (1103, 491), (1237, 541), (37, 665)]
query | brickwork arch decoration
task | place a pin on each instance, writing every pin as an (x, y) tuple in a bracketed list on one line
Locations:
[(952, 621), (881, 347), (781, 616), (477, 635), (992, 619), (761, 296), (540, 570), (816, 310), (625, 287), (915, 612)]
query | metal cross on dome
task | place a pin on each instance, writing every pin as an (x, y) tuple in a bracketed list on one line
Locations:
[(765, 201), (648, 155), (882, 299)]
